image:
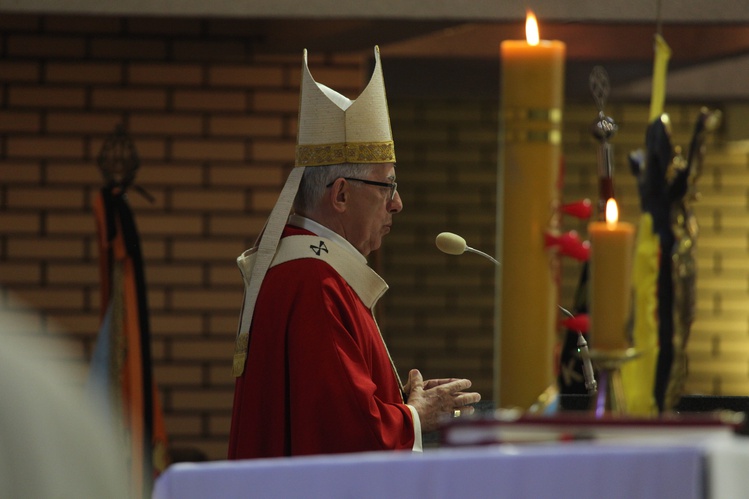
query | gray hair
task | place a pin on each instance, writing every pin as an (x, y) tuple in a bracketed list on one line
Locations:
[(316, 178)]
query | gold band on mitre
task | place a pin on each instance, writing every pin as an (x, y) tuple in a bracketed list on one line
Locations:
[(357, 152)]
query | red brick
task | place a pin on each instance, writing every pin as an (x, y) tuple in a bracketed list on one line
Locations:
[(82, 122), (45, 248), (182, 424), (148, 148), (184, 323), (162, 74), (51, 299), (266, 150), (171, 324), (202, 150), (178, 375), (220, 425), (77, 323), (244, 76), (21, 172), (225, 323), (221, 274), (176, 274), (170, 224), (128, 98), (156, 299), (73, 173), (46, 97), (209, 100), (128, 48), (205, 50), (19, 273), (219, 375), (170, 174), (250, 175), (140, 204), (213, 199), (235, 225), (19, 223), (153, 250), (85, 73), (70, 223), (19, 71), (197, 399), (264, 201), (246, 126), (11, 121), (206, 251), (166, 124), (46, 46), (203, 350), (276, 101), (43, 147), (73, 273)]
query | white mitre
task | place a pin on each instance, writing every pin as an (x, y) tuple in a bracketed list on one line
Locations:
[(332, 130)]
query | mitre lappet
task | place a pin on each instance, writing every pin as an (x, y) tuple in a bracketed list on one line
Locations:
[(333, 129)]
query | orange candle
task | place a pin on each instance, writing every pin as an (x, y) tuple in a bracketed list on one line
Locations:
[(611, 253), (527, 197)]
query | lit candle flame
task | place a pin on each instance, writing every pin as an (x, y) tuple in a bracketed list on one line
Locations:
[(612, 212), (531, 29)]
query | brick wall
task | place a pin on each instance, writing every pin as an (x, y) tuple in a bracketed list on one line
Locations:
[(215, 128), (214, 124)]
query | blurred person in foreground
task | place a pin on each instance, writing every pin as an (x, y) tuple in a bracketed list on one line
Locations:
[(54, 440), (313, 373)]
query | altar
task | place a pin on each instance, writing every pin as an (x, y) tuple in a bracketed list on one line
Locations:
[(710, 468)]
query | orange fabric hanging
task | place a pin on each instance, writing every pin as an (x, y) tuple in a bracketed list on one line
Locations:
[(121, 365)]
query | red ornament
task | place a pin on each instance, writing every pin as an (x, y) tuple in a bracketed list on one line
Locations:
[(579, 209), (569, 244), (577, 323)]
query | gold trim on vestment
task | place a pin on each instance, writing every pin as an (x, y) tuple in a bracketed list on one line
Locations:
[(353, 152)]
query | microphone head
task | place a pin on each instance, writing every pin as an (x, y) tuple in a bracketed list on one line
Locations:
[(450, 243)]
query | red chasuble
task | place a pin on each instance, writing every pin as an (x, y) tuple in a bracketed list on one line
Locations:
[(318, 377)]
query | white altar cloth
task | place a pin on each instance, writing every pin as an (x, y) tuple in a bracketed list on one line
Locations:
[(571, 470)]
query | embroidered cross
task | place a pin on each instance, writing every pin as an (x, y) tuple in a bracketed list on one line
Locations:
[(319, 249), (569, 374)]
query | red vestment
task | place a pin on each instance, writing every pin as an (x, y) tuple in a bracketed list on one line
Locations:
[(318, 377)]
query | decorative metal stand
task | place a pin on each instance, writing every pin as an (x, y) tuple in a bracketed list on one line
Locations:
[(610, 399)]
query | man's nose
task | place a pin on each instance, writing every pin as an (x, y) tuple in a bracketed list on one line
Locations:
[(396, 204)]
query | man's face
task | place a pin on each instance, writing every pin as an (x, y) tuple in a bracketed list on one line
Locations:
[(371, 209)]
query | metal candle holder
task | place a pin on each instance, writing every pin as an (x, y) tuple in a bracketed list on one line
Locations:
[(610, 398)]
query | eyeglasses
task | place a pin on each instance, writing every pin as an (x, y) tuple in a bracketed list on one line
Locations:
[(392, 186)]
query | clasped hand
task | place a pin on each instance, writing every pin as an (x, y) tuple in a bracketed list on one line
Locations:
[(434, 399)]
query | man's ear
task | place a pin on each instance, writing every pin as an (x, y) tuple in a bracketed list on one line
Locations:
[(339, 195)]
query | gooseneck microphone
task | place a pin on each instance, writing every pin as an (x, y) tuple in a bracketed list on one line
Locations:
[(453, 244)]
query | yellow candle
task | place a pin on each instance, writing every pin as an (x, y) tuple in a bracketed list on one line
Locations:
[(532, 83), (611, 245)]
